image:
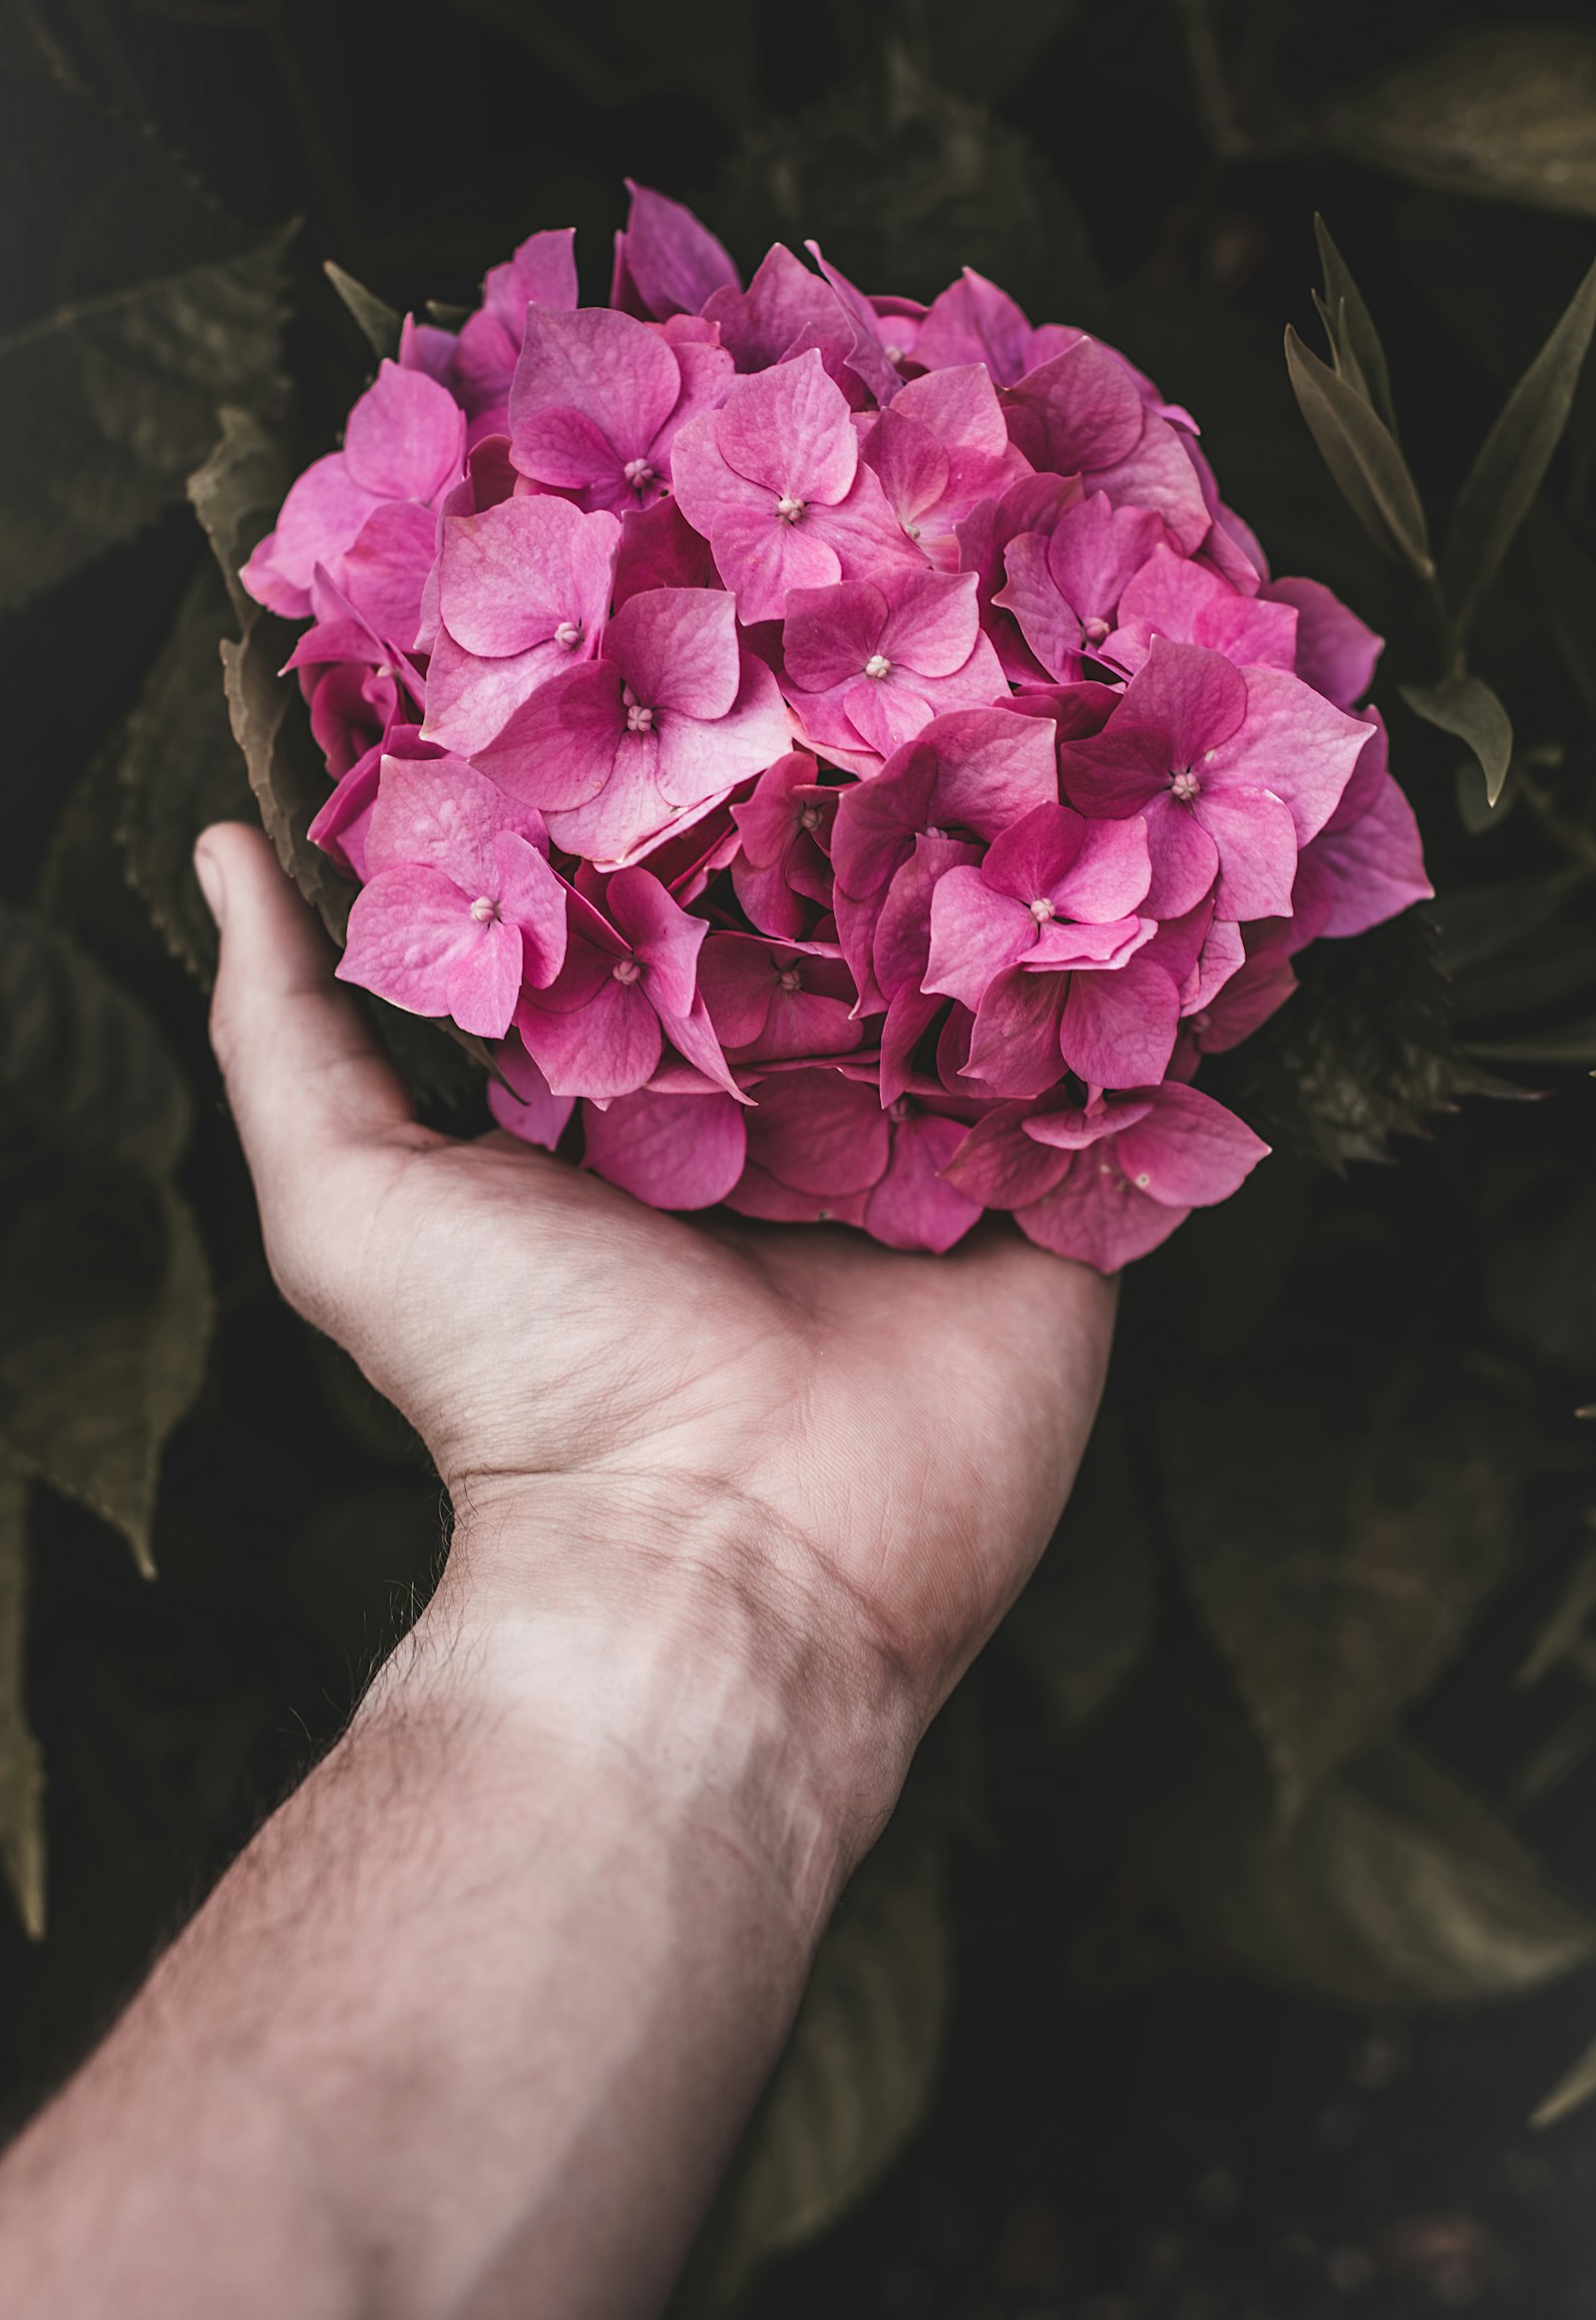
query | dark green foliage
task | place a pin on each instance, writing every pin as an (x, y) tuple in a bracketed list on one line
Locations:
[(1257, 1713)]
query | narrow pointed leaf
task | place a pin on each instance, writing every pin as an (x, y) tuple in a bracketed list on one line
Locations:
[(1358, 341), (380, 322), (1500, 487), (1357, 447), (1573, 2088), (1467, 707)]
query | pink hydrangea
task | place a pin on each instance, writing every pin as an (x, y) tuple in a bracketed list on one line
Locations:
[(844, 754)]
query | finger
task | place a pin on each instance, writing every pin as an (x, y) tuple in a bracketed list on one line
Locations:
[(306, 1081)]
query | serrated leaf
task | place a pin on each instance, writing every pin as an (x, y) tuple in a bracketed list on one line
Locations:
[(1397, 1886), (83, 1069), (1500, 487), (1357, 447), (21, 1771), (286, 771), (108, 402), (1087, 1615), (106, 1330), (236, 492), (380, 323), (856, 2079), (1465, 707), (1354, 337), (179, 769), (1335, 1564), (1504, 112)]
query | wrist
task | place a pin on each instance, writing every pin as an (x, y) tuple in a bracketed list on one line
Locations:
[(672, 1635)]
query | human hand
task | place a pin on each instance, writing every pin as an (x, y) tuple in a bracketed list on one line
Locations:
[(871, 1447)]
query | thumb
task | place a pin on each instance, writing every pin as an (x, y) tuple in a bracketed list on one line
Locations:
[(307, 1084)]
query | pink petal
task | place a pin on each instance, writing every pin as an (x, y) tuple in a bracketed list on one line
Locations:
[(760, 323), (1189, 1152), (612, 370), (410, 929), (606, 1047), (672, 1151), (788, 431), (447, 815), (973, 321), (531, 897), (976, 933), (562, 746), (406, 437), (1292, 741), (1097, 1218), (1257, 987), (1355, 877), (542, 269), (1256, 851), (672, 262), (319, 519), (1118, 1028), (912, 1207), (660, 550), (1000, 1166), (1077, 412), (1110, 876), (512, 575), (1336, 652), (385, 569), (817, 1132), (759, 1194), (525, 1108), (1195, 698), (677, 650), (1013, 1047), (1173, 597), (702, 758)]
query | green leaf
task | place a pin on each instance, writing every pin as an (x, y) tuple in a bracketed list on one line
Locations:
[(21, 1771), (107, 403), (286, 770), (1397, 1886), (179, 769), (236, 492), (1563, 1634), (1357, 447), (1359, 356), (381, 323), (82, 1070), (1500, 487), (1565, 1044), (1087, 1616), (1465, 707), (1334, 1562), (1504, 112), (107, 1312), (857, 2076)]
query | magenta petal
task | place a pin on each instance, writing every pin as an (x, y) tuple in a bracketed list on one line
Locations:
[(1256, 851), (1013, 1046), (677, 650), (788, 430), (532, 898), (760, 323), (561, 747), (406, 437), (1118, 1028), (1189, 1152), (1097, 1218), (1336, 652), (818, 1133), (674, 265), (410, 929), (608, 1047), (975, 934), (1366, 872), (543, 270), (613, 371), (525, 1108), (672, 1151), (912, 1207), (1111, 875), (384, 569), (512, 575), (1000, 1166), (1292, 742), (322, 514)]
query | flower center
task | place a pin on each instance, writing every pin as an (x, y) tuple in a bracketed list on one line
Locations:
[(809, 819), (639, 474), (899, 1110), (568, 633), (1094, 631), (485, 910), (878, 666), (1184, 786), (625, 971), (789, 510), (638, 719), (788, 979), (1042, 909)]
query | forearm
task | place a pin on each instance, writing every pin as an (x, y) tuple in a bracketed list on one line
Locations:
[(471, 2027)]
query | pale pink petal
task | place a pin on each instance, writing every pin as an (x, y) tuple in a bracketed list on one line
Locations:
[(611, 369), (606, 1047), (406, 437), (512, 575), (1292, 741), (1256, 844), (410, 927), (677, 650)]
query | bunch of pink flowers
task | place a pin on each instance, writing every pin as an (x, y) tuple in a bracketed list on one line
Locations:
[(843, 749)]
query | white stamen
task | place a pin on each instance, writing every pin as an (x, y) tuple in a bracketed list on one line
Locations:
[(625, 971), (1184, 786), (809, 819), (1144, 1180), (1042, 909), (638, 720), (639, 474), (878, 666), (1094, 631), (899, 1110), (789, 980), (485, 910), (789, 510), (568, 633)]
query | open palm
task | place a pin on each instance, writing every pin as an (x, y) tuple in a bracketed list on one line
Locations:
[(904, 1428)]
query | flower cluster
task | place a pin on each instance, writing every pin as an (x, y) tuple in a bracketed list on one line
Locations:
[(844, 748)]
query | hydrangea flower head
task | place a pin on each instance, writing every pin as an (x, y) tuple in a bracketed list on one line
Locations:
[(845, 754)]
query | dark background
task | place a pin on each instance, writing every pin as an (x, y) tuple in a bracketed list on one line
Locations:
[(1123, 2127)]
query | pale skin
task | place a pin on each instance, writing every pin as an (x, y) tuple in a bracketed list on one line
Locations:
[(470, 2028)]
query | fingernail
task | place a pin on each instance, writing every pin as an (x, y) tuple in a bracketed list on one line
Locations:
[(207, 871)]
